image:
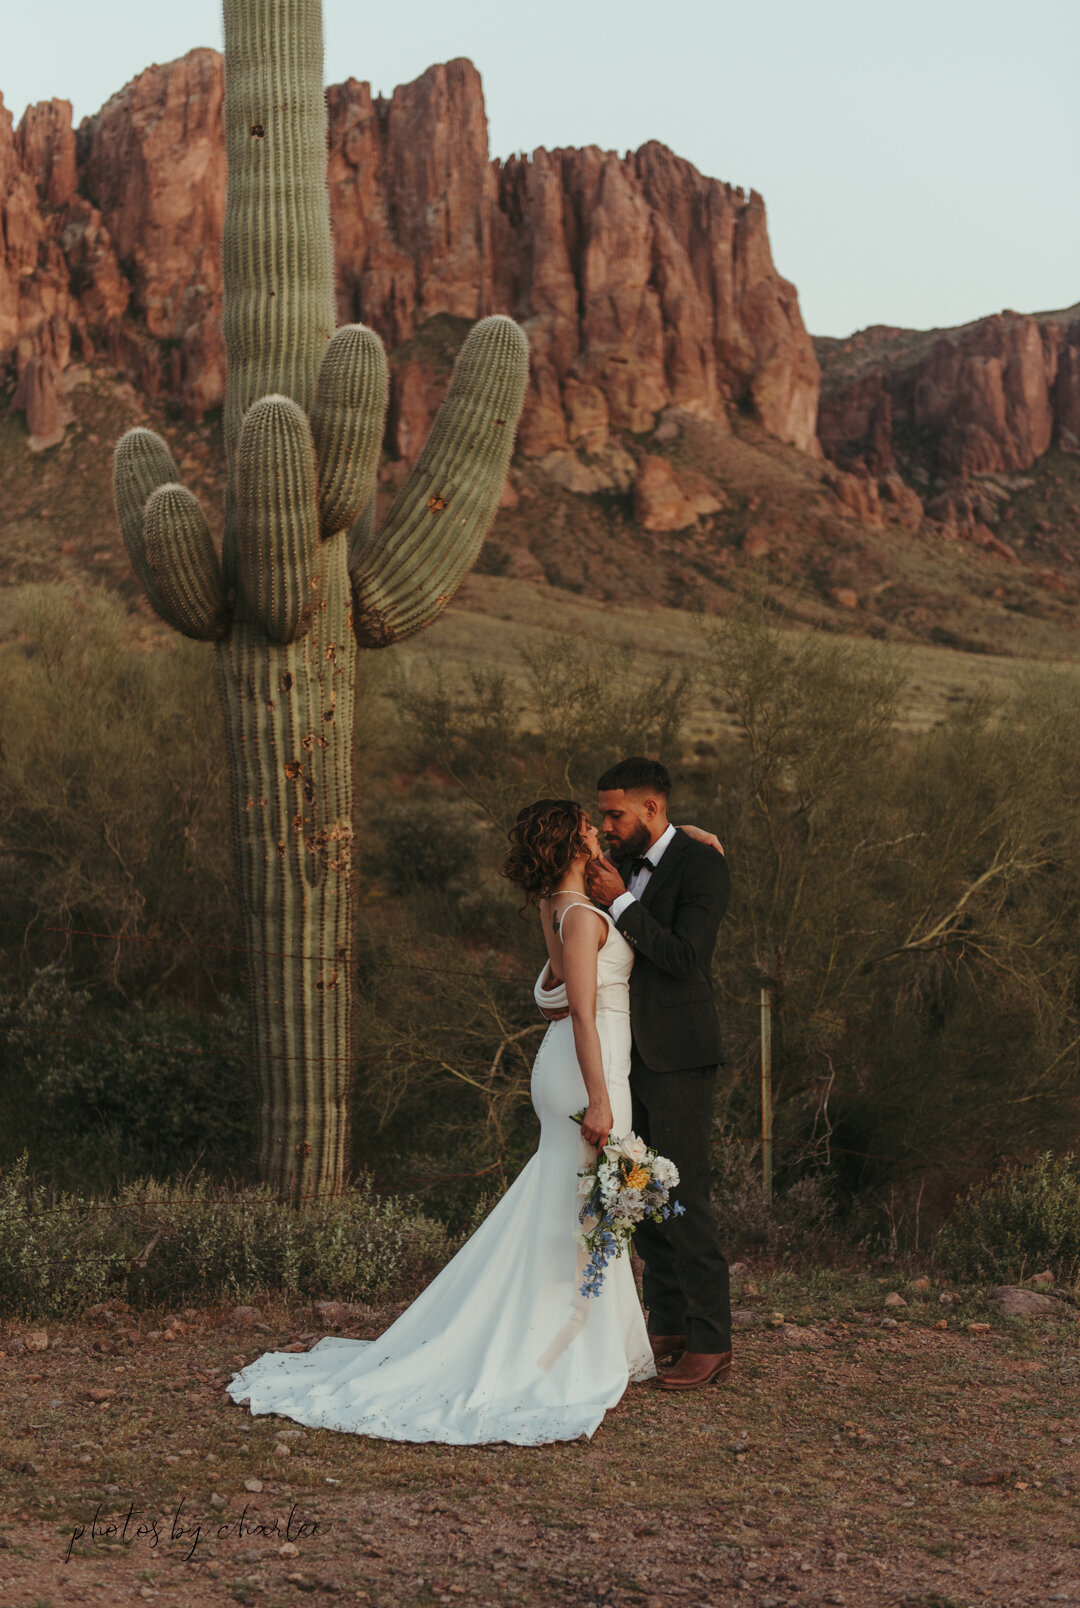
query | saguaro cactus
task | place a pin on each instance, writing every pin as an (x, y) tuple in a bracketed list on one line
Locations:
[(305, 578)]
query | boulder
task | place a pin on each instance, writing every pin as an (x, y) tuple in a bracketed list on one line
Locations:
[(898, 502), (335, 1314), (757, 542), (1023, 1303), (659, 501), (856, 494), (246, 1314), (700, 493), (613, 470)]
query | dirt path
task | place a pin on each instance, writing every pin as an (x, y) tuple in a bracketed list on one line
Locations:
[(843, 1464)]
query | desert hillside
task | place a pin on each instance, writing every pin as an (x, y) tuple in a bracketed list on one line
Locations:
[(683, 435)]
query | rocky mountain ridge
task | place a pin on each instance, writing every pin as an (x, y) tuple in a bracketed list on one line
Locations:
[(954, 412), (641, 283), (673, 417)]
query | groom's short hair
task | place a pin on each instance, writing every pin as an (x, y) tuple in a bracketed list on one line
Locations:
[(636, 776)]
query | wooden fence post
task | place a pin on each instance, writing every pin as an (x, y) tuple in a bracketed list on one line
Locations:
[(766, 1092)]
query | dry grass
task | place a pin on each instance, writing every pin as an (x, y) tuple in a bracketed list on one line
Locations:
[(493, 618), (57, 523), (843, 1463)]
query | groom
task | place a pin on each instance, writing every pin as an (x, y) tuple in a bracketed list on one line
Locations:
[(666, 894)]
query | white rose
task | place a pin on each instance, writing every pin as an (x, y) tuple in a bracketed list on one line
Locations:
[(631, 1149)]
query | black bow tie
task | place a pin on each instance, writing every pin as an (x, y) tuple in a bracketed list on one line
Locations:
[(639, 863)]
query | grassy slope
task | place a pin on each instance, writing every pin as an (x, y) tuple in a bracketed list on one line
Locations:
[(555, 556)]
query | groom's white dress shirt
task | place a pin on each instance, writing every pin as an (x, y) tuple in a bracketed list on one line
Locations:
[(638, 882)]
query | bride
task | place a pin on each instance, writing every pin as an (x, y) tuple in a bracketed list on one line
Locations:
[(502, 1345)]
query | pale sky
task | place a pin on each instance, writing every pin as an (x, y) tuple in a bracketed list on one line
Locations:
[(918, 160)]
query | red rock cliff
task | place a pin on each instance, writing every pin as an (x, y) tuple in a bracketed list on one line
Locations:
[(641, 283), (987, 398)]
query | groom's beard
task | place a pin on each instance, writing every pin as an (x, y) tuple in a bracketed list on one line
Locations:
[(632, 847)]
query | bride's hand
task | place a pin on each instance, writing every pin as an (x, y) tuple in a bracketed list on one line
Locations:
[(699, 835), (596, 1123)]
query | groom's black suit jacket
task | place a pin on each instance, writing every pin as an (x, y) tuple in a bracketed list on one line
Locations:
[(672, 929)]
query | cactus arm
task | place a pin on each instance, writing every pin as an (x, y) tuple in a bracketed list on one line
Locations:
[(347, 420), (141, 463), (180, 552), (276, 508), (162, 547), (404, 576)]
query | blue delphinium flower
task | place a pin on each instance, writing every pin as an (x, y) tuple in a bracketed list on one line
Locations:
[(610, 1210)]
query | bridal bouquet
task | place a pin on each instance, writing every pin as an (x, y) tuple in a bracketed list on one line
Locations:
[(626, 1185)]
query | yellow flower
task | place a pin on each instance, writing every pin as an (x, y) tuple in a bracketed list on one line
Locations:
[(637, 1179)]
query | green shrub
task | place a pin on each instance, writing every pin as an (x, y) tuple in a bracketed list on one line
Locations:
[(115, 845), (57, 1253), (799, 1220), (428, 843), (912, 898), (158, 1243), (97, 1095), (1023, 1220)]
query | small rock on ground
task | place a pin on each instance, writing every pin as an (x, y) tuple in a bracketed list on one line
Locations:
[(246, 1314)]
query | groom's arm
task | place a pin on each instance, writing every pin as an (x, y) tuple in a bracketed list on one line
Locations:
[(687, 945)]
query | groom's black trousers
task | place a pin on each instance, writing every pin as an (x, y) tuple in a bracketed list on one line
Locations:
[(686, 1285)]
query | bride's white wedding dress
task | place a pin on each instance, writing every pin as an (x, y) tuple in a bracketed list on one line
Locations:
[(501, 1346)]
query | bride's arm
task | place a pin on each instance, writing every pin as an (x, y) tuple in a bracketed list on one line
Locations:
[(581, 942)]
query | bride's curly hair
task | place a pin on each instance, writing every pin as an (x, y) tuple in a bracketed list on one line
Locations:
[(543, 843)]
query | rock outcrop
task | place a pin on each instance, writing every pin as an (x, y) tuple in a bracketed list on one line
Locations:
[(642, 284), (153, 162), (61, 285), (659, 501), (988, 398), (646, 285), (38, 394)]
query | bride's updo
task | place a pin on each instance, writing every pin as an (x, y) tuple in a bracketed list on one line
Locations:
[(544, 841)]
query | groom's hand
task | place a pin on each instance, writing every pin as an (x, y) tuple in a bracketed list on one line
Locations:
[(602, 882)]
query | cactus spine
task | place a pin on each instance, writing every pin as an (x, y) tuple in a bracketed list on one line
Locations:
[(304, 579)]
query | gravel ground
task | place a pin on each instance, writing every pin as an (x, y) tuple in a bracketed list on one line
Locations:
[(843, 1463)]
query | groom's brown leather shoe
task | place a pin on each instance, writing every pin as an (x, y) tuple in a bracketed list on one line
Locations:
[(667, 1347), (694, 1369)]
